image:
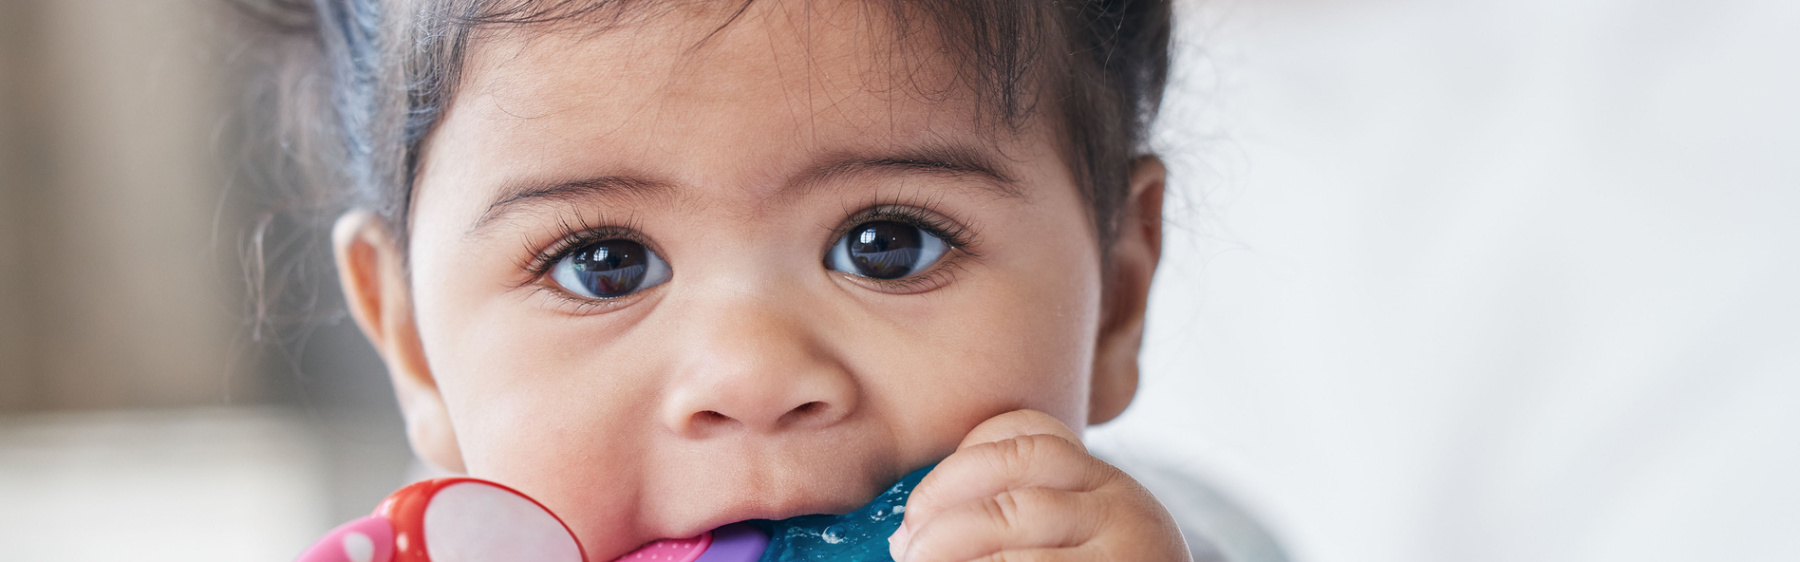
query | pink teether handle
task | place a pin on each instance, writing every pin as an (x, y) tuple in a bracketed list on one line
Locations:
[(469, 520), (370, 539)]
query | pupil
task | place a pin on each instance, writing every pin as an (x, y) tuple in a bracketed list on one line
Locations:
[(613, 268), (885, 250)]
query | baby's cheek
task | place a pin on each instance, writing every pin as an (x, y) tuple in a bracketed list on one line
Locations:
[(590, 493), (1055, 311), (1011, 345), (559, 450)]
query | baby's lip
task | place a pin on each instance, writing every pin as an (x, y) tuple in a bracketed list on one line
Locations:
[(758, 491), (752, 514), (753, 511)]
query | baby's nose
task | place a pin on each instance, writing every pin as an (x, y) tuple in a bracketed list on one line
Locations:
[(755, 367)]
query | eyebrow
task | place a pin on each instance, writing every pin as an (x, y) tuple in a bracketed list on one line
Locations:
[(947, 161), (516, 196)]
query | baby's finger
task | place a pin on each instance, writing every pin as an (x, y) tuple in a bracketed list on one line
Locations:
[(1017, 450), (1018, 423), (980, 471), (1022, 519)]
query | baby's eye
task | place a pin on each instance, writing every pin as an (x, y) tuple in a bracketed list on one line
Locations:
[(610, 269), (886, 250)]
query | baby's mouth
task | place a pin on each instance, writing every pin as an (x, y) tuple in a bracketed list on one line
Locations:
[(858, 536)]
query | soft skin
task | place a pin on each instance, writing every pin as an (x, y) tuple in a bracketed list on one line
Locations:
[(757, 382)]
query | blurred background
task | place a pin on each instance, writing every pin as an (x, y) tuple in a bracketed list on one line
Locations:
[(1457, 280), (143, 414)]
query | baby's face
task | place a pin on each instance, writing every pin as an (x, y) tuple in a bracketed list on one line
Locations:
[(663, 285)]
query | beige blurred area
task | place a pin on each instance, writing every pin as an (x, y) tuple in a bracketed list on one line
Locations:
[(116, 295), (138, 419)]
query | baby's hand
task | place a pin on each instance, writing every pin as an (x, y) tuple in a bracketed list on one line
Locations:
[(1022, 487)]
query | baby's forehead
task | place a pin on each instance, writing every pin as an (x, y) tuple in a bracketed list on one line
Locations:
[(671, 72), (673, 94)]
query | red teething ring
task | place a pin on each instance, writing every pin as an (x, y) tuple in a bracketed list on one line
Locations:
[(405, 510)]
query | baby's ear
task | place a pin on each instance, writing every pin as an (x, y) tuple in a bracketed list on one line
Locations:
[(1135, 251), (374, 281)]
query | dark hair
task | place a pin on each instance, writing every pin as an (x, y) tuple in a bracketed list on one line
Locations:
[(359, 84)]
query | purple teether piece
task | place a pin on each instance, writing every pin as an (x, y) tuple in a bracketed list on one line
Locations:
[(736, 542)]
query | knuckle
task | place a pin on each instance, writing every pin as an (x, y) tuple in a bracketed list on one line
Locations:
[(1015, 509), (1055, 443), (1003, 509), (1017, 455), (1014, 455)]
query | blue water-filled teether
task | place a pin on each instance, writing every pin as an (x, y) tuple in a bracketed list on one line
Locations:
[(858, 536)]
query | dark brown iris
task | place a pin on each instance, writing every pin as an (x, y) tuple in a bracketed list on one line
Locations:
[(885, 250), (613, 268)]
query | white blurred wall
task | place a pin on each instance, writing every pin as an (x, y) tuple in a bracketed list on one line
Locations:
[(1473, 280), (187, 485)]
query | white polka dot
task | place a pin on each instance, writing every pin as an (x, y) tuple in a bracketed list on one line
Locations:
[(359, 548)]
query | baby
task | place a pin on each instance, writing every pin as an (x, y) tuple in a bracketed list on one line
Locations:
[(668, 265)]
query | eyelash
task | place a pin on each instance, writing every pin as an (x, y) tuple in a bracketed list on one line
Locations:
[(575, 235), (924, 217)]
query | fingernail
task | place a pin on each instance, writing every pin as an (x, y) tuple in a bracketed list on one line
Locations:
[(897, 541)]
